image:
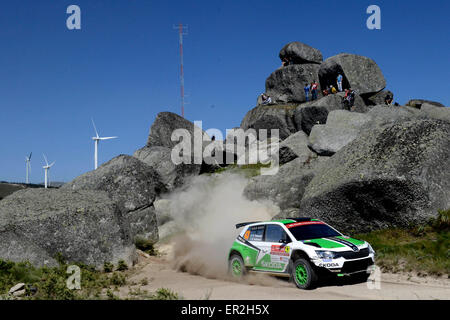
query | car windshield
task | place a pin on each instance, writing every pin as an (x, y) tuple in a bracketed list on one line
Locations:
[(313, 231)]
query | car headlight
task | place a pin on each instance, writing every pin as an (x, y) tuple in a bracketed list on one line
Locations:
[(371, 249), (326, 254)]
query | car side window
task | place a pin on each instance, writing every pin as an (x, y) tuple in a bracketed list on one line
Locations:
[(275, 233), (257, 233)]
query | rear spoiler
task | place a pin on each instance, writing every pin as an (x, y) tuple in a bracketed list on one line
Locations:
[(243, 224)]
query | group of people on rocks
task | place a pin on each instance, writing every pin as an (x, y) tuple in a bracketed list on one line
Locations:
[(312, 88)]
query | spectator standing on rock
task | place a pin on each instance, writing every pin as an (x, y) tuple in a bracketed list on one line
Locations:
[(314, 88), (307, 88), (339, 82), (284, 62), (351, 99)]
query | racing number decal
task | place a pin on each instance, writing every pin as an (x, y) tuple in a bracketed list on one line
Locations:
[(247, 235)]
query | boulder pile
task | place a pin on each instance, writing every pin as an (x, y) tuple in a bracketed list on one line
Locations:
[(375, 166)]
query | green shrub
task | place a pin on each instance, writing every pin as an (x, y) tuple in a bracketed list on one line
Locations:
[(122, 265), (165, 294), (108, 267), (51, 282), (146, 245)]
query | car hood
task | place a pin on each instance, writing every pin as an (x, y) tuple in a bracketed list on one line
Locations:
[(340, 242)]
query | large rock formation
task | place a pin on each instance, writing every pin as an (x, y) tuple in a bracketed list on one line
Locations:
[(36, 225), (341, 128), (359, 73), (286, 84), (163, 127), (171, 175), (433, 112), (271, 117), (286, 188), (300, 53), (394, 175), (132, 185), (417, 103), (315, 112), (295, 146), (379, 98)]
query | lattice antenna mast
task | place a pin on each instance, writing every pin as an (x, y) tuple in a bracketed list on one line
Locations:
[(182, 31)]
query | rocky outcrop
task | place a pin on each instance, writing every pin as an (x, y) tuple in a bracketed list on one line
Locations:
[(285, 188), (300, 53), (271, 117), (285, 85), (36, 225), (163, 127), (305, 117), (132, 185), (378, 98), (315, 112), (433, 112), (341, 128), (417, 103), (295, 146), (171, 175), (391, 176), (359, 73)]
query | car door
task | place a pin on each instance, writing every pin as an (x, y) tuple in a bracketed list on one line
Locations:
[(277, 242), (256, 246)]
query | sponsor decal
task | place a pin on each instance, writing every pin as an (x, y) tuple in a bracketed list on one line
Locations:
[(279, 250), (272, 265), (248, 243), (345, 242), (292, 225), (281, 259), (329, 265)]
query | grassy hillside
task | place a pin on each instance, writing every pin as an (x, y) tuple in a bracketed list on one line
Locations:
[(425, 249)]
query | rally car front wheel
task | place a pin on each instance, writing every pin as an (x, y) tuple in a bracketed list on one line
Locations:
[(303, 274), (236, 266)]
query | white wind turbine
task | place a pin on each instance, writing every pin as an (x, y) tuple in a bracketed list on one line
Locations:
[(28, 164), (46, 168), (96, 141)]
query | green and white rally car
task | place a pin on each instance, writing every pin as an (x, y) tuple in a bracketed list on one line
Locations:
[(302, 248)]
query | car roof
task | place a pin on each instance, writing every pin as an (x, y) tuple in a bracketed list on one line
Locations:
[(282, 221)]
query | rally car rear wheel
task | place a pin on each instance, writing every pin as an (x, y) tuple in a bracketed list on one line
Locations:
[(303, 274), (236, 266)]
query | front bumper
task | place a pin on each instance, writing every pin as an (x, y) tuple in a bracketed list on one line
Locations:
[(344, 266)]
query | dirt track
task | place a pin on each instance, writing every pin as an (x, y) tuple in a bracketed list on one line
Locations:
[(160, 274)]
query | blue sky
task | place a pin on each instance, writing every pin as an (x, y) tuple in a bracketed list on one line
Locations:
[(122, 67)]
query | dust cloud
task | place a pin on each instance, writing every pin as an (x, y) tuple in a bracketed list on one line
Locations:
[(204, 214)]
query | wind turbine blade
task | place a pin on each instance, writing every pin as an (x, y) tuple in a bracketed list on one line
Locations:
[(107, 138), (45, 158), (31, 153), (95, 128), (52, 164)]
